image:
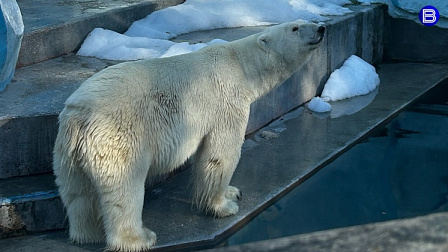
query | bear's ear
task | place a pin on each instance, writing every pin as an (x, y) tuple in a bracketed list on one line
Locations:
[(263, 41)]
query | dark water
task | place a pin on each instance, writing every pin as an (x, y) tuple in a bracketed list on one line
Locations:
[(400, 171)]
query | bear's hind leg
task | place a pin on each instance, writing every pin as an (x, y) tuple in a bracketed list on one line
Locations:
[(81, 202)]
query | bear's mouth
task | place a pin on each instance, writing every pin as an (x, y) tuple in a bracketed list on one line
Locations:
[(316, 41)]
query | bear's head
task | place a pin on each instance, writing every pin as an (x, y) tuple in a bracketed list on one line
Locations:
[(293, 42)]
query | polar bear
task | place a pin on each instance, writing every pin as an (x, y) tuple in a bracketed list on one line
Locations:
[(144, 118)]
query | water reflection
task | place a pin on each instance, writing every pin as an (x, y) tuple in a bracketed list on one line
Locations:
[(399, 172), (348, 106), (353, 105)]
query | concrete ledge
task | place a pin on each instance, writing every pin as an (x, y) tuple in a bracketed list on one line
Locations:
[(54, 28), (41, 89), (305, 144), (427, 233), (30, 203)]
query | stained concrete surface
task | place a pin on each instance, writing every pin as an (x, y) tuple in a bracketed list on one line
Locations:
[(268, 169)]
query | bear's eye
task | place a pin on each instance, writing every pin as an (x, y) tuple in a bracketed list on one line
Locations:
[(295, 28)]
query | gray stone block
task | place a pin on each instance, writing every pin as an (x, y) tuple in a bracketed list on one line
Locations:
[(29, 204), (43, 214)]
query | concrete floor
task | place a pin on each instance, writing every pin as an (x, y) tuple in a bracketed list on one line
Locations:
[(268, 169)]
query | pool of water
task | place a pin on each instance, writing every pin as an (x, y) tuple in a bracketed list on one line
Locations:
[(399, 171)]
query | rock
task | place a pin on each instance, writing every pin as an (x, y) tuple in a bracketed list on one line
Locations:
[(266, 134)]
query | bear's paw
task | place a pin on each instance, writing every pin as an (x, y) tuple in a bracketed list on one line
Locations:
[(133, 242), (224, 208), (233, 193)]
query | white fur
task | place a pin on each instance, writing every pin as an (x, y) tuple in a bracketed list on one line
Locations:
[(148, 117)]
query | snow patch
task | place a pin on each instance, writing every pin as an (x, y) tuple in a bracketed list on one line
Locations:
[(106, 44), (196, 15), (185, 47), (148, 37), (356, 77)]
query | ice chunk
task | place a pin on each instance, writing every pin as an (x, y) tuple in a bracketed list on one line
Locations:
[(355, 77), (318, 104)]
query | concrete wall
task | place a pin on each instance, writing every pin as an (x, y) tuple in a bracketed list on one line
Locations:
[(407, 40), (26, 145)]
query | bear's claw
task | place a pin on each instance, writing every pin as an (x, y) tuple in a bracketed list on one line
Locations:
[(233, 193)]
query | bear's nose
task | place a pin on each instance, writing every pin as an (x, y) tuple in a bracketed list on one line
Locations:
[(321, 29)]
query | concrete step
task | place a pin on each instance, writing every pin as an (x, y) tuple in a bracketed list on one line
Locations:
[(54, 27), (30, 203), (30, 105), (306, 142)]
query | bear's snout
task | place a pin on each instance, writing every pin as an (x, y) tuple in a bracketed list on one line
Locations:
[(319, 36), (321, 30)]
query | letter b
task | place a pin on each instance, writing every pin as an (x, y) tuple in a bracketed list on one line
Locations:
[(429, 16)]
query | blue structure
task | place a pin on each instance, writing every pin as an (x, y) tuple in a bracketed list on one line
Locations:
[(11, 33)]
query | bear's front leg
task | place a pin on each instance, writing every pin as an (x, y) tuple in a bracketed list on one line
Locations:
[(214, 164), (121, 199)]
